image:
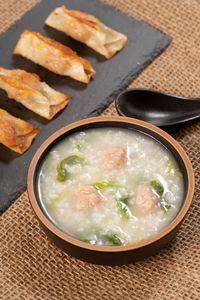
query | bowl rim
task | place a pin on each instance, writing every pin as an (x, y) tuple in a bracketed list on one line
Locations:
[(99, 248)]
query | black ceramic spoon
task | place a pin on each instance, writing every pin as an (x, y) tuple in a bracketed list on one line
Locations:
[(160, 109)]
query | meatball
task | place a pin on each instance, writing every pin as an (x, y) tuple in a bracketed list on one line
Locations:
[(115, 158), (145, 201), (87, 197)]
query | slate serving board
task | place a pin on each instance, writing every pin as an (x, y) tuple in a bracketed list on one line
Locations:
[(144, 44)]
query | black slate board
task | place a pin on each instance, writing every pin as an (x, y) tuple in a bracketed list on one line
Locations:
[(144, 44)]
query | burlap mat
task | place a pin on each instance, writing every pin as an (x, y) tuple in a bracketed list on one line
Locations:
[(33, 268)]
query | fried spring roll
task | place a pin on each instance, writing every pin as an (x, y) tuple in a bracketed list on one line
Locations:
[(53, 56), (87, 29), (27, 89), (15, 133)]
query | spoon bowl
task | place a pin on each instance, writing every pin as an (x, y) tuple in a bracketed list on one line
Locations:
[(160, 109)]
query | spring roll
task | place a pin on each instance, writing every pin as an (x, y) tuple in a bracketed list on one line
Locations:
[(35, 95), (53, 56), (87, 29), (15, 133)]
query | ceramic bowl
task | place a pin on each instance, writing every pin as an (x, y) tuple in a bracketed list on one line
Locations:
[(111, 254)]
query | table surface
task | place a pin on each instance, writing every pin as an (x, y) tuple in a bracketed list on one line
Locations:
[(33, 268)]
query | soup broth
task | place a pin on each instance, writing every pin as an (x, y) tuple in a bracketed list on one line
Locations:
[(110, 186)]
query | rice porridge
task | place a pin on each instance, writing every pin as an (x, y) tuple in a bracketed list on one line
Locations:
[(110, 186)]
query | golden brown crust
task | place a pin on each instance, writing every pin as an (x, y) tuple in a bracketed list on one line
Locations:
[(52, 43), (15, 133), (87, 29), (26, 76), (84, 18), (57, 108), (20, 74), (64, 49), (21, 89), (54, 56), (27, 89)]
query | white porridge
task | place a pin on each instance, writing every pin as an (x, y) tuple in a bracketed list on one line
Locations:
[(110, 186)]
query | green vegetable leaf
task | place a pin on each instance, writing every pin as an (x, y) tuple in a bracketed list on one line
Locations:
[(73, 160), (165, 206), (125, 199), (99, 238), (104, 184), (123, 209), (112, 239), (172, 169), (62, 173), (158, 188), (78, 147)]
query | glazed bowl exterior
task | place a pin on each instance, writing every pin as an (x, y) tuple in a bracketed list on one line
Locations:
[(111, 255)]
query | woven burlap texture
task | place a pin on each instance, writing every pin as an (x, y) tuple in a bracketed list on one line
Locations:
[(33, 268)]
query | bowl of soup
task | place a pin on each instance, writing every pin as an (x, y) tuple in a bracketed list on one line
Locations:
[(110, 190)]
